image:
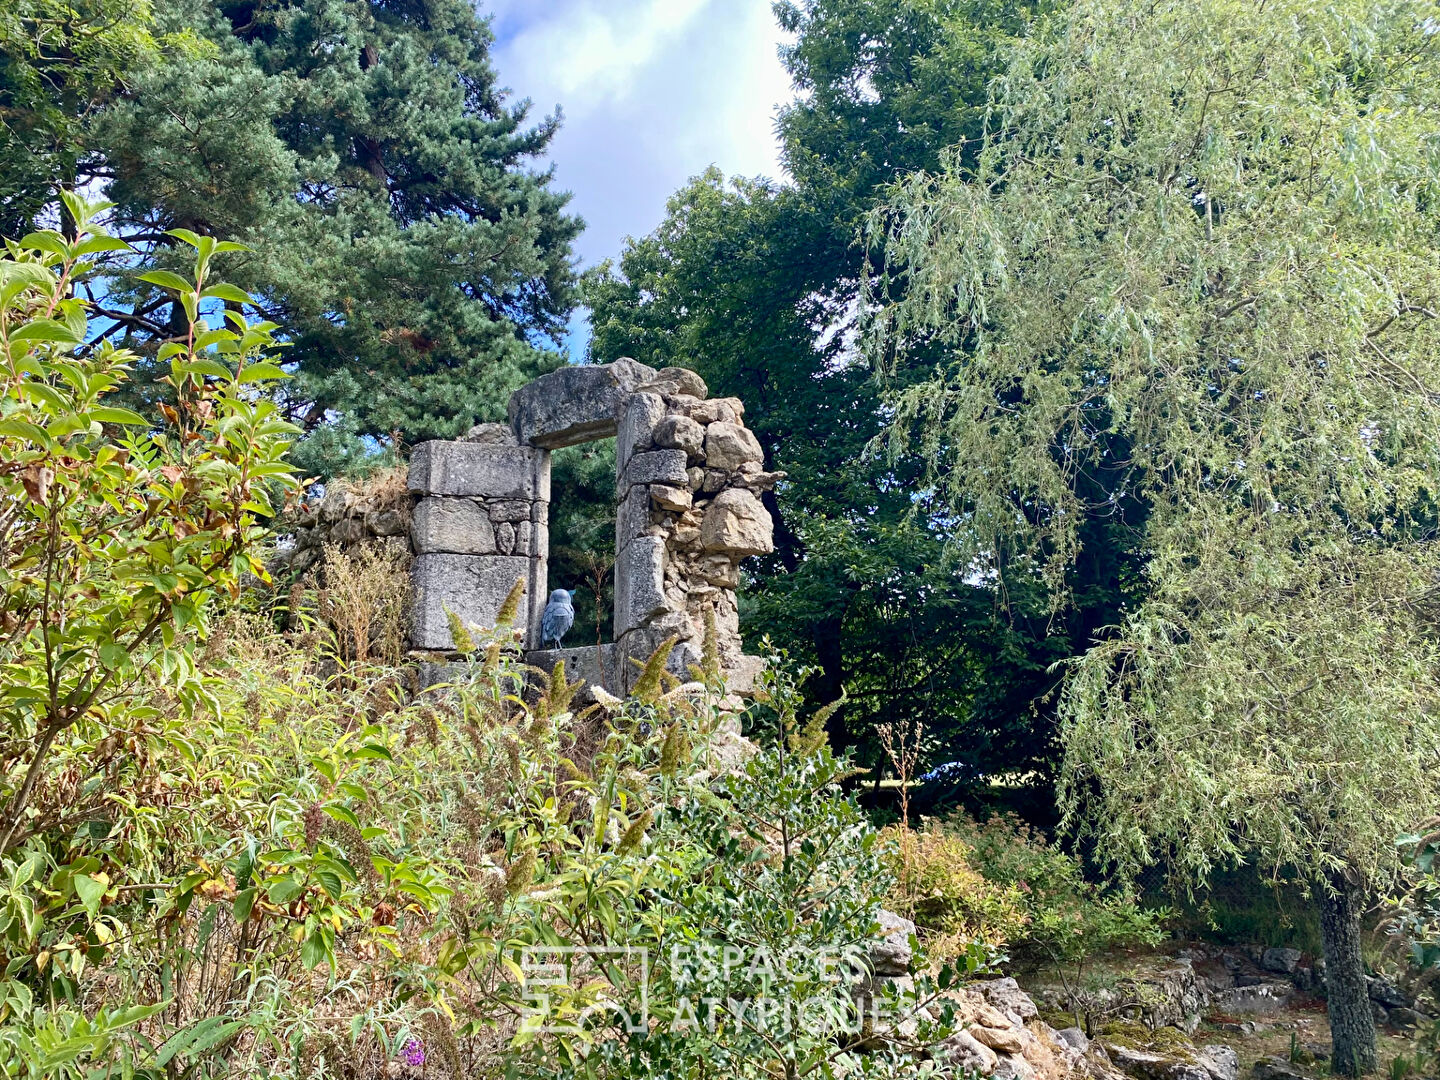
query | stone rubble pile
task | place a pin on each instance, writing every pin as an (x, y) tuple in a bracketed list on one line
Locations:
[(344, 517), (1257, 981), (999, 1031)]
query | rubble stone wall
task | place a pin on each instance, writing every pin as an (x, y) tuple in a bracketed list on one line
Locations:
[(689, 476)]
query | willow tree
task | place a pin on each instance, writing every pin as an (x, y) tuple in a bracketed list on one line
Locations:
[(1197, 268)]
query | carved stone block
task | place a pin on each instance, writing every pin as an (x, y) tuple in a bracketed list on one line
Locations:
[(472, 586), (458, 526), (480, 470), (639, 583)]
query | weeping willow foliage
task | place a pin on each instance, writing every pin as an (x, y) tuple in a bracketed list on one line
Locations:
[(1196, 270)]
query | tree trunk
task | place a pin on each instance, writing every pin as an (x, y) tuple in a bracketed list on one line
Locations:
[(1352, 1020)]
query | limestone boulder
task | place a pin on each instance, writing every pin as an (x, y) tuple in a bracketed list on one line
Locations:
[(737, 524), (1003, 1039), (385, 522), (1006, 995), (729, 446), (336, 504), (1221, 1062), (1274, 1068), (679, 380), (680, 433), (963, 1054), (891, 953), (492, 435), (674, 499)]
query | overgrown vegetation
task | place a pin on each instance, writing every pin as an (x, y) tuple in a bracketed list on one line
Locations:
[(233, 850), (1002, 883)]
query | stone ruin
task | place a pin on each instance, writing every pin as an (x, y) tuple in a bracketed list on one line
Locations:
[(688, 480)]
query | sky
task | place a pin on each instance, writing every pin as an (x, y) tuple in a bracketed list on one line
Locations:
[(652, 91)]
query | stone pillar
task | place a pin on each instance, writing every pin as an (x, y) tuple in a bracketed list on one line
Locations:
[(688, 479), (479, 524)]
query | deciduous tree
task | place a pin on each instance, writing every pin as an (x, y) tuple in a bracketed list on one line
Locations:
[(1197, 263), (756, 285)]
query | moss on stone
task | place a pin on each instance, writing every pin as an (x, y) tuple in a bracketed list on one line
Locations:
[(1172, 1042)]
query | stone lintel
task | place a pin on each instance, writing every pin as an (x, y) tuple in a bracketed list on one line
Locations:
[(574, 404)]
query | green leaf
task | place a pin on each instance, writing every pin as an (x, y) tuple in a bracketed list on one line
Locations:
[(257, 372), (68, 424), (49, 240), (223, 291), (110, 414), (313, 952), (196, 1039), (21, 429), (45, 330), (370, 750), (343, 814), (92, 244), (284, 889), (331, 883), (166, 280), (244, 903), (193, 239), (205, 366), (90, 892)]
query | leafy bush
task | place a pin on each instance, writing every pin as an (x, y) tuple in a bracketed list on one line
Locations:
[(1410, 926), (1003, 883), (938, 886), (1070, 918), (116, 538)]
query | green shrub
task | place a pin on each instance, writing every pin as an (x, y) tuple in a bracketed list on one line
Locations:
[(938, 886), (1002, 883), (1069, 918)]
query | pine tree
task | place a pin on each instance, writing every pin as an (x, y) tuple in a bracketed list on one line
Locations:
[(401, 235)]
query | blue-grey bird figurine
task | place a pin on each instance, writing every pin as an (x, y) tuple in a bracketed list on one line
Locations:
[(558, 618)]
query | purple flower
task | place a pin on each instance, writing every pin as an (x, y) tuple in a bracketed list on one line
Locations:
[(413, 1053)]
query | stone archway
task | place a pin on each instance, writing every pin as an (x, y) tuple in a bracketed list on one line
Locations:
[(688, 479)]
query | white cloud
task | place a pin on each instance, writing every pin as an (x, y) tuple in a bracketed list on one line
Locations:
[(653, 92)]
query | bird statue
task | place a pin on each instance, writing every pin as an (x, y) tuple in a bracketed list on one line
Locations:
[(558, 618)]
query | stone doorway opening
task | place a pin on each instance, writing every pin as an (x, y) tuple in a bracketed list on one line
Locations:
[(687, 480), (582, 537)]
